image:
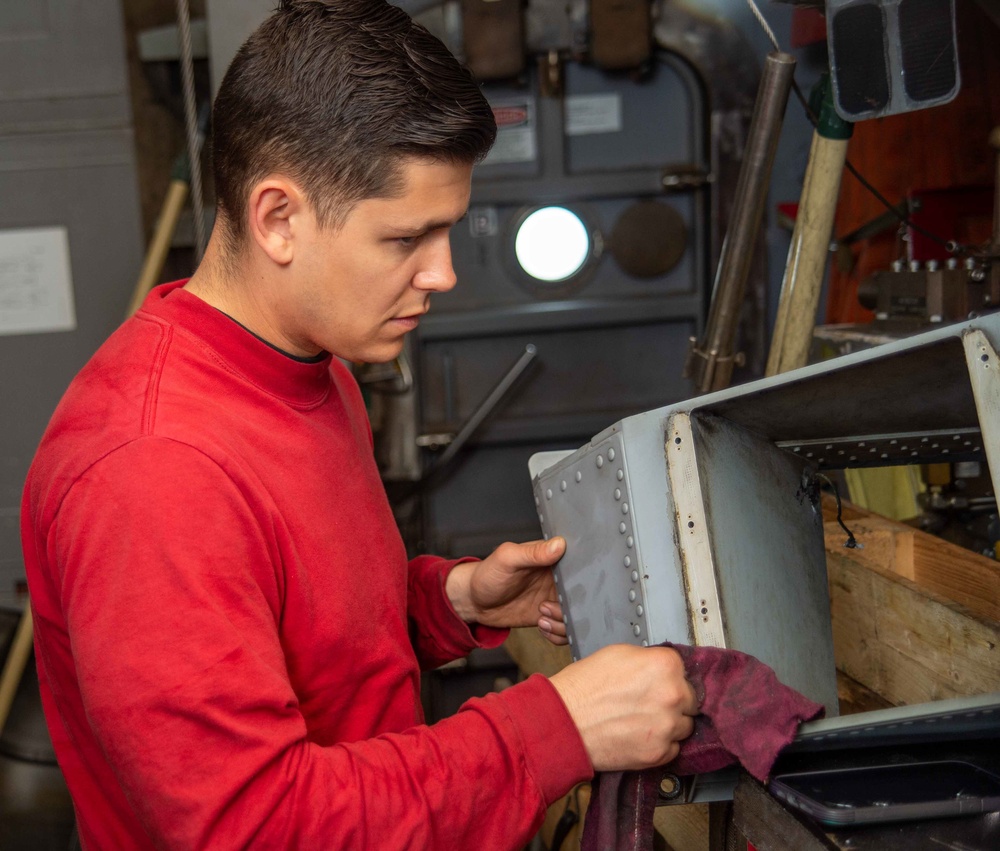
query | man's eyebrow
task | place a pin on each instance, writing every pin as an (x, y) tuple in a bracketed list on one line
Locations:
[(427, 227)]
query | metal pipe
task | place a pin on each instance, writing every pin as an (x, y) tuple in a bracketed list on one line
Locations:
[(711, 363), (486, 406), (194, 137)]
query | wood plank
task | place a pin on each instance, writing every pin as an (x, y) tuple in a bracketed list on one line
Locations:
[(684, 826), (854, 697), (768, 825), (953, 572), (534, 654), (906, 643)]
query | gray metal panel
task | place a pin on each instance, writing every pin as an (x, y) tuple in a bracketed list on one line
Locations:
[(768, 555), (620, 580), (626, 368), (603, 551), (485, 501), (920, 383), (660, 118), (54, 53), (582, 500), (229, 24), (66, 160)]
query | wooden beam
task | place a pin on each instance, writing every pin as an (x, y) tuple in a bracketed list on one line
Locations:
[(534, 654), (906, 643), (684, 827), (854, 697), (955, 573)]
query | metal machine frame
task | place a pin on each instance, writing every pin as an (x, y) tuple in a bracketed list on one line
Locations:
[(700, 522)]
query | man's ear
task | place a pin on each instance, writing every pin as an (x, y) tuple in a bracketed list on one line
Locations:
[(275, 204)]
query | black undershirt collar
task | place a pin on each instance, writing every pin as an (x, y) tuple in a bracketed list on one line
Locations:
[(310, 359)]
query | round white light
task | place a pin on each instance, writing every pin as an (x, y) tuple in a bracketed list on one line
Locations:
[(552, 244)]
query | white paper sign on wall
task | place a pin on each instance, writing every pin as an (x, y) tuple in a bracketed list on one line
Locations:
[(36, 288)]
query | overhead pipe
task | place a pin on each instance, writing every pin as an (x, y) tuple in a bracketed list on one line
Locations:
[(710, 363)]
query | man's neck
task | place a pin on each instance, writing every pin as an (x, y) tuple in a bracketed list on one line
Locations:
[(217, 285)]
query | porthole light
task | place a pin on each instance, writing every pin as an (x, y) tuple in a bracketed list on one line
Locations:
[(552, 244)]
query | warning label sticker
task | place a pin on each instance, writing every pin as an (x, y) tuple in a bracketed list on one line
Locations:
[(587, 114), (516, 132)]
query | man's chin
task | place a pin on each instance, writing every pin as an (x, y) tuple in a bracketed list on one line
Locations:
[(382, 354)]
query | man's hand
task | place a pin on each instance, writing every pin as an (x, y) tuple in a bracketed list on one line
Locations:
[(632, 705), (512, 587)]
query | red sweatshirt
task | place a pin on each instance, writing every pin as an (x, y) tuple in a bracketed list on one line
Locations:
[(228, 634)]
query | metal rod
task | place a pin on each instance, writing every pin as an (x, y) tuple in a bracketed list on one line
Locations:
[(486, 406), (191, 129), (711, 363)]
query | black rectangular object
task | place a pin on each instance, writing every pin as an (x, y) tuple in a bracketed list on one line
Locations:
[(882, 793), (859, 59), (927, 41)]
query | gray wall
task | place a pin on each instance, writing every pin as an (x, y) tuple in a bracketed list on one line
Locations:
[(66, 160)]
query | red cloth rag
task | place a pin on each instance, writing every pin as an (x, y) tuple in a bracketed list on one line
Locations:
[(747, 716)]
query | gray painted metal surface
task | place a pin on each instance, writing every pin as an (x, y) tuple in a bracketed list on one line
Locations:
[(686, 528), (66, 160), (739, 464)]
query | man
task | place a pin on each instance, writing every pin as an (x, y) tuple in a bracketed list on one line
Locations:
[(229, 636)]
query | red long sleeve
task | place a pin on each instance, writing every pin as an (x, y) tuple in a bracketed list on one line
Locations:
[(224, 616)]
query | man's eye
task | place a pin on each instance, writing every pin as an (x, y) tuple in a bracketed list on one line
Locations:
[(407, 241)]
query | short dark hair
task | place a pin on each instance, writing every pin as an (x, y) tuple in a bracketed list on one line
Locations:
[(335, 93)]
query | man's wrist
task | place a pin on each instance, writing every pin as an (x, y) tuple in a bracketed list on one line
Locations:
[(458, 590)]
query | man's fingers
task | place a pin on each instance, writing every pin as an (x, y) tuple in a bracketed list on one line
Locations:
[(690, 706), (533, 553), (552, 627), (552, 610), (685, 727), (547, 553)]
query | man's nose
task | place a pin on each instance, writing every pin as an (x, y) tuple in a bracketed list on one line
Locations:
[(437, 274)]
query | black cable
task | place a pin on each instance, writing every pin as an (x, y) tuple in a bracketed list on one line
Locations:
[(950, 245), (852, 542)]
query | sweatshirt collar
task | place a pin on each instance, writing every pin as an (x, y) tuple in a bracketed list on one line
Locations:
[(301, 382)]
